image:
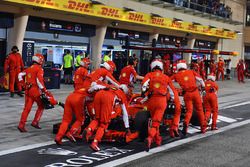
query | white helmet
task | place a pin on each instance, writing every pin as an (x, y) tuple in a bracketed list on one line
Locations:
[(181, 65), (124, 88), (109, 65), (38, 58), (156, 63), (211, 77)]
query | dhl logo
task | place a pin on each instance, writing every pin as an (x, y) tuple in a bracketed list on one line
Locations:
[(219, 32), (192, 27), (158, 21), (136, 17), (78, 6), (110, 12), (206, 30), (176, 24), (230, 34), (42, 2)]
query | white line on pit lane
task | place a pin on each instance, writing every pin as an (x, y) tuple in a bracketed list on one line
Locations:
[(171, 145), (235, 105), (29, 147)]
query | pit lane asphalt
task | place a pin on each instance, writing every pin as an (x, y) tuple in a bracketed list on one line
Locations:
[(11, 109), (228, 149)]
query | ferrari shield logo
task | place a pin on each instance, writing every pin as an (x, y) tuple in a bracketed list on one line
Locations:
[(185, 78), (123, 74)]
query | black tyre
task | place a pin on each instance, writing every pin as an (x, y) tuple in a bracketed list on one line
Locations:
[(195, 119), (141, 124)]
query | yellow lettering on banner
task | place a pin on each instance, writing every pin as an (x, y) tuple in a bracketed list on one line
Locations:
[(85, 8)]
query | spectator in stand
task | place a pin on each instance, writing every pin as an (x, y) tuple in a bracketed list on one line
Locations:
[(178, 2)]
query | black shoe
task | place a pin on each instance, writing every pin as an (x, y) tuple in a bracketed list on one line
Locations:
[(20, 94), (22, 130), (12, 94), (184, 129), (36, 126)]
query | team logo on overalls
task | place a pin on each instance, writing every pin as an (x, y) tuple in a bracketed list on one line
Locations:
[(157, 85), (123, 74), (77, 76), (29, 75), (185, 78), (208, 85)]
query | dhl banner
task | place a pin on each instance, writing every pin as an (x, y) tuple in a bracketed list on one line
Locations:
[(86, 8)]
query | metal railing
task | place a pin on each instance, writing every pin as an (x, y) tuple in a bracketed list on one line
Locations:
[(206, 6)]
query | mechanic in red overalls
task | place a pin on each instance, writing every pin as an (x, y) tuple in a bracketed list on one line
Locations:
[(202, 69), (212, 66), (104, 102), (156, 86), (211, 100), (81, 73), (187, 81), (102, 74), (14, 65), (34, 84), (220, 69), (240, 71), (128, 74), (166, 64)]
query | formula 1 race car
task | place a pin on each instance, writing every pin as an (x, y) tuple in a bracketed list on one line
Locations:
[(139, 120)]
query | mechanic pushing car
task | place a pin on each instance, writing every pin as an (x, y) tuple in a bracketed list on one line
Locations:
[(103, 104), (155, 87), (104, 73), (211, 100), (128, 74), (81, 73), (187, 81), (14, 65), (34, 87)]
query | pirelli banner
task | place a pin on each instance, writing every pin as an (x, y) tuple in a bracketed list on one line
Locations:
[(86, 8)]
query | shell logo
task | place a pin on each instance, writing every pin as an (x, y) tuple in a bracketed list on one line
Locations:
[(157, 85), (82, 89), (77, 76), (29, 75), (123, 74), (186, 78)]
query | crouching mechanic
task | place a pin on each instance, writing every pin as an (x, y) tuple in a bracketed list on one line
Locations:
[(211, 100), (34, 87), (81, 73), (104, 104), (156, 86), (187, 81), (74, 105)]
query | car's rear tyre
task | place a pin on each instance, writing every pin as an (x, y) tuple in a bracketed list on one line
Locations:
[(141, 124)]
